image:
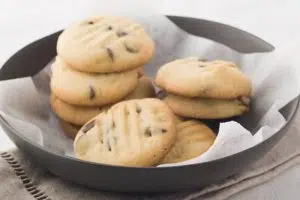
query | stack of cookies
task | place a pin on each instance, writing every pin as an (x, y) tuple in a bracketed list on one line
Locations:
[(99, 63), (200, 89), (104, 101)]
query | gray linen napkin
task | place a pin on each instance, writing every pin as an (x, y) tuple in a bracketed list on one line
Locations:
[(22, 179)]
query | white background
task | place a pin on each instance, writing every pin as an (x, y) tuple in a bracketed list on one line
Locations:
[(277, 21)]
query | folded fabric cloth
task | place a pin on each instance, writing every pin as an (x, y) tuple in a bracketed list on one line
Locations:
[(22, 179)]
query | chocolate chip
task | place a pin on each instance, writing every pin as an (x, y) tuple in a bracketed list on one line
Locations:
[(92, 93), (110, 53), (163, 130), (202, 60), (138, 110), (109, 28), (121, 33), (90, 22), (148, 132), (88, 126), (108, 145), (161, 94), (130, 49)]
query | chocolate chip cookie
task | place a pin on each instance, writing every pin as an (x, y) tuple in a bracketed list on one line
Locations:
[(90, 89), (207, 108), (131, 133), (105, 44), (193, 139), (193, 77)]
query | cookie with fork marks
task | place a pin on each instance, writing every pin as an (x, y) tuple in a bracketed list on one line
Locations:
[(132, 133)]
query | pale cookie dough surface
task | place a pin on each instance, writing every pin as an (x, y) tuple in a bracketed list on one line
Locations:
[(105, 44), (205, 108), (74, 114), (88, 89), (192, 77), (132, 133), (193, 139), (69, 129), (82, 114)]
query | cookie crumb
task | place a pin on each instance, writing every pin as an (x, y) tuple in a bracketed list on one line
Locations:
[(109, 28)]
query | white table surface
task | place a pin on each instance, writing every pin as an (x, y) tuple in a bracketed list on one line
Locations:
[(277, 21)]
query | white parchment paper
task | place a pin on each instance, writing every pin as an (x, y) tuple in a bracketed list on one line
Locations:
[(24, 103)]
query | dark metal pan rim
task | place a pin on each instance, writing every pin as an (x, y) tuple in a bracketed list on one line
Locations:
[(269, 47)]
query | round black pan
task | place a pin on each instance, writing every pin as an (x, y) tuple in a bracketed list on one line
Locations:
[(126, 179)]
